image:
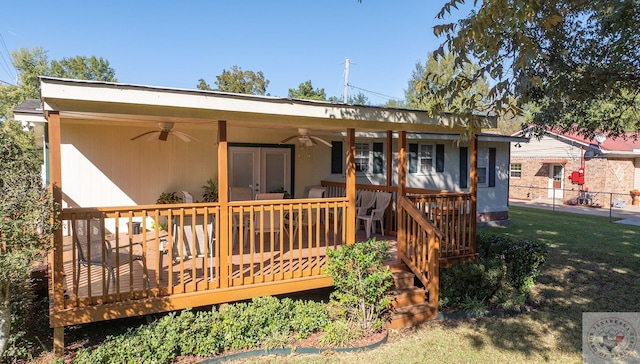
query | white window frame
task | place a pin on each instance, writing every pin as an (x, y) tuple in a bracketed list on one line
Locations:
[(483, 167), (513, 170), (360, 154), (421, 157)]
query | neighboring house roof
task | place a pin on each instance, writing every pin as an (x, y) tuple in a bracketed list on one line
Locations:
[(29, 106), (628, 144)]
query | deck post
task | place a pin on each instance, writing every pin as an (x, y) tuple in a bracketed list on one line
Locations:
[(223, 199), (473, 191), (351, 186), (389, 173), (402, 180), (56, 258)]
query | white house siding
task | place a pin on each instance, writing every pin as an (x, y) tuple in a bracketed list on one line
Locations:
[(492, 201)]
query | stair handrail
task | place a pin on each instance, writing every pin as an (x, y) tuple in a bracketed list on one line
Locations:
[(419, 248)]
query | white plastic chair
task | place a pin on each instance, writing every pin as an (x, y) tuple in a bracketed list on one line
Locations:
[(377, 214), (367, 201)]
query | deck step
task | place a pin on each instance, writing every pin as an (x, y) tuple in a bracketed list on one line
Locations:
[(407, 297), (403, 279), (412, 315)]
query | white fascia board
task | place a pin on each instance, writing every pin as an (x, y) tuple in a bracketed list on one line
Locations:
[(58, 94), (29, 118)]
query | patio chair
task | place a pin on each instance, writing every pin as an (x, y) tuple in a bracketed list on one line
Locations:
[(270, 196), (265, 224), (187, 197), (93, 249), (377, 214), (366, 202), (316, 192), (240, 193), (186, 236)]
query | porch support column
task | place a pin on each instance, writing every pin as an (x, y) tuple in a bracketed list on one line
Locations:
[(55, 257), (351, 186), (223, 198), (402, 176), (389, 171), (473, 190)]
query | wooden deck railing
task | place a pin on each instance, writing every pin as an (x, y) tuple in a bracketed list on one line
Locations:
[(166, 250), (449, 212), (419, 246)]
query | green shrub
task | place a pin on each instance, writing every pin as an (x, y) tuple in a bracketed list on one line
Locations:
[(361, 282), (477, 280), (503, 276), (308, 317), (340, 333)]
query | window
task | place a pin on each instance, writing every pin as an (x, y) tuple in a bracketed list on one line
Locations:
[(515, 170), (487, 167), (370, 158), (424, 158), (483, 163), (363, 157)]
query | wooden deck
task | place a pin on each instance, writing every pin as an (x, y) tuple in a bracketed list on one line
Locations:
[(165, 277)]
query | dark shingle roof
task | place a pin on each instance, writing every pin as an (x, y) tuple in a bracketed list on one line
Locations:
[(29, 106)]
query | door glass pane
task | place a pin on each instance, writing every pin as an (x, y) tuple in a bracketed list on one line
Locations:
[(242, 169), (274, 171)]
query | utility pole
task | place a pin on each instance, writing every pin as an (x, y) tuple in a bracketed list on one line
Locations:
[(346, 81)]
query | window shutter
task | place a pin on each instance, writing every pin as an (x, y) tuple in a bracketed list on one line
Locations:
[(464, 167), (412, 158), (336, 157), (439, 157), (378, 159), (492, 167)]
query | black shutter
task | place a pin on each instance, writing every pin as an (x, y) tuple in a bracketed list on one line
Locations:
[(464, 167), (378, 159), (336, 157), (413, 158), (492, 167), (439, 157)]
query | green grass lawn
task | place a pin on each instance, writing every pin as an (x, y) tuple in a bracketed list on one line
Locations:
[(593, 266)]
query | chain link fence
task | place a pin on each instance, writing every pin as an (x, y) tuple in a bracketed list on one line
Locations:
[(613, 201)]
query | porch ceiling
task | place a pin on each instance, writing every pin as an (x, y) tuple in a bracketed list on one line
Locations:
[(123, 104)]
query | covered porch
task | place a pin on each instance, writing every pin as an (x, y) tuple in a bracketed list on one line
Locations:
[(169, 257)]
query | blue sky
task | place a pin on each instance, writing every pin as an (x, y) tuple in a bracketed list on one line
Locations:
[(175, 43)]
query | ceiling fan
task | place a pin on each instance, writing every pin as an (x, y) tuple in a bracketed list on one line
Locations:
[(164, 132), (305, 139)]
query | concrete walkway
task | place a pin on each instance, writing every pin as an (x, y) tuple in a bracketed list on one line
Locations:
[(629, 215)]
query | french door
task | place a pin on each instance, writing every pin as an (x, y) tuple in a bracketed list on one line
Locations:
[(263, 169)]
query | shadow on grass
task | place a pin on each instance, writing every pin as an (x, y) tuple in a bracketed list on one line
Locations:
[(593, 266)]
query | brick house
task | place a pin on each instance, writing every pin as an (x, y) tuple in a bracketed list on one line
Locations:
[(543, 168)]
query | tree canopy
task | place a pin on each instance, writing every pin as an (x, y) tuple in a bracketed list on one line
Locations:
[(427, 86), (238, 81), (306, 91), (577, 61), (31, 63)]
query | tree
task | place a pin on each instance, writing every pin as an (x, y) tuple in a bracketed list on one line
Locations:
[(577, 61), (83, 68), (238, 81), (33, 63), (25, 222), (305, 91), (427, 86), (357, 99)]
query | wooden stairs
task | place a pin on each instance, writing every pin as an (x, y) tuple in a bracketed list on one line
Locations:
[(410, 306)]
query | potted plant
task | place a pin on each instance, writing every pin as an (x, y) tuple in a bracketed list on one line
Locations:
[(210, 191), (168, 198)]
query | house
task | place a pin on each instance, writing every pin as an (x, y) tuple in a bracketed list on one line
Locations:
[(575, 170), (113, 148)]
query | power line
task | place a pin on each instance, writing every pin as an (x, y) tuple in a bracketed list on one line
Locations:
[(5, 64), (376, 93)]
